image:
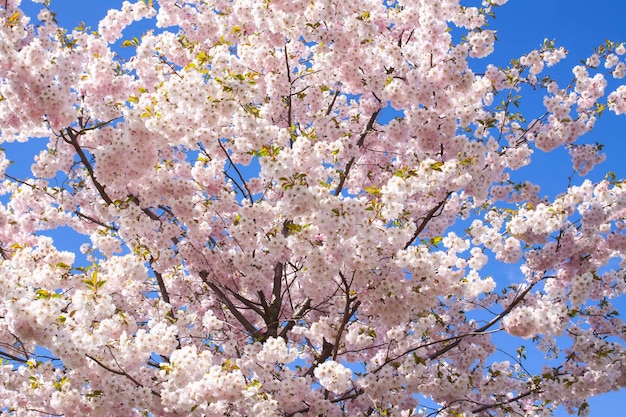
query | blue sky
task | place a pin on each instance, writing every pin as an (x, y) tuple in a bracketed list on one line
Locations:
[(578, 26), (522, 25)]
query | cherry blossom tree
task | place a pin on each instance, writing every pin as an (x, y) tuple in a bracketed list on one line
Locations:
[(288, 207)]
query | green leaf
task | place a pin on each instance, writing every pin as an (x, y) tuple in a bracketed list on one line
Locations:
[(94, 394), (43, 294), (373, 189), (436, 166), (418, 359)]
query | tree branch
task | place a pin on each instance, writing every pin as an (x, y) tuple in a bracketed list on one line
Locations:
[(289, 110), (332, 103), (272, 313), (161, 284), (508, 401), (248, 303), (344, 175), (300, 312), (427, 218), (348, 311), (70, 136), (12, 357), (486, 327), (457, 339), (331, 349), (121, 372), (95, 221), (243, 181), (253, 331), (146, 211)]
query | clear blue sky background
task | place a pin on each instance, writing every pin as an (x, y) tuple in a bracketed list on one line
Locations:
[(522, 25), (579, 26)]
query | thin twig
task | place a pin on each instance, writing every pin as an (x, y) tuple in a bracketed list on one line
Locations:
[(426, 218), (121, 372), (91, 219), (243, 181), (344, 175), (300, 312), (457, 339)]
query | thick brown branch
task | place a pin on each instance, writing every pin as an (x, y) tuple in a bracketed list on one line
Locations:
[(272, 312), (332, 103), (253, 331), (327, 352), (251, 305), (71, 137), (161, 284), (12, 357), (146, 211)]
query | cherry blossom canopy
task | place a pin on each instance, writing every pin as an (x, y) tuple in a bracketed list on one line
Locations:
[(288, 205)]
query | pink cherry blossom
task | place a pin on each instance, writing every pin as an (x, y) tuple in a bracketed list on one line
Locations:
[(284, 208)]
